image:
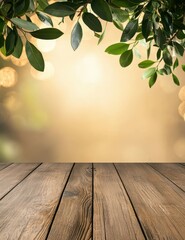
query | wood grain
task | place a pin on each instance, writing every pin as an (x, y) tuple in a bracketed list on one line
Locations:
[(27, 211), (11, 176), (3, 165), (160, 205), (73, 220), (114, 217), (174, 172)]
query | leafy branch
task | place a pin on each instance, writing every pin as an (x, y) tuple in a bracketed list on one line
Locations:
[(158, 24)]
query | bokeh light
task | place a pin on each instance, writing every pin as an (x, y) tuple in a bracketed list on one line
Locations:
[(8, 77), (182, 94), (22, 61), (181, 109)]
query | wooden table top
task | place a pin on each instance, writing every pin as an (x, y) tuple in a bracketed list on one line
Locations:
[(83, 201)]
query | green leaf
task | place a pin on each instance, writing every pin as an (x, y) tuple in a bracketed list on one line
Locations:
[(167, 69), (117, 48), (92, 22), (2, 23), (43, 4), (139, 37), (21, 7), (180, 35), (119, 14), (44, 18), (76, 36), (167, 57), (10, 42), (32, 6), (1, 41), (102, 9), (146, 28), (162, 71), (146, 64), (176, 64), (127, 3), (118, 25), (34, 56), (149, 49), (18, 48), (24, 24), (158, 54), (47, 33), (130, 30), (160, 38), (60, 9), (152, 79), (126, 58), (175, 79), (7, 10), (149, 72), (183, 67), (101, 36), (179, 49)]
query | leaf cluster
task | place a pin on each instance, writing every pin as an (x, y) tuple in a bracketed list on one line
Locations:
[(159, 24)]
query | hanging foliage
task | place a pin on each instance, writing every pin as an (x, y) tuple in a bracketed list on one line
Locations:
[(159, 24)]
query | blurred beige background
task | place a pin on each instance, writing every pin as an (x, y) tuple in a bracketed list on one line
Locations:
[(85, 107)]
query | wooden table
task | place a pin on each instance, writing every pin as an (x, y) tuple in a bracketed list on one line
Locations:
[(64, 201)]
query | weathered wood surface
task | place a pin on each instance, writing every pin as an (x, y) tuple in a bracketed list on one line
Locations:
[(74, 216), (54, 201), (27, 211), (159, 204), (114, 217), (3, 165), (13, 175), (174, 172)]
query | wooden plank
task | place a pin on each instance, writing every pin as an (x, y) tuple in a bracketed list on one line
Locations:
[(73, 220), (11, 176), (160, 205), (114, 217), (4, 165), (174, 172), (27, 211)]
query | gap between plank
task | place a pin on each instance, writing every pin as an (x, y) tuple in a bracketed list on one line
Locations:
[(21, 180), (6, 166), (166, 177), (58, 204), (142, 229), (93, 169)]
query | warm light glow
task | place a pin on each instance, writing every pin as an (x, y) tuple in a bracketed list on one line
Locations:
[(88, 70), (181, 109), (92, 109), (8, 77), (47, 74), (182, 94), (179, 148), (6, 58), (22, 61), (46, 45), (11, 102)]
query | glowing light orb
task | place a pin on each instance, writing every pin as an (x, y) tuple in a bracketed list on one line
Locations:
[(8, 77), (182, 94)]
